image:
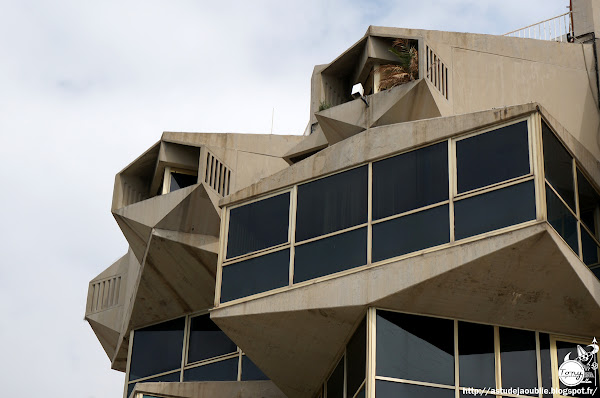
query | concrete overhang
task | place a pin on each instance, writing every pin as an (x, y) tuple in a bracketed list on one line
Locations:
[(211, 389), (527, 278)]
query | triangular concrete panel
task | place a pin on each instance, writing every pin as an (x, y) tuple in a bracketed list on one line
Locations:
[(294, 349), (381, 102), (137, 235), (196, 213), (315, 141), (417, 104), (108, 337), (337, 130)]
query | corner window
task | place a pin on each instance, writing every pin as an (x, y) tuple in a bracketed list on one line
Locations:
[(176, 179)]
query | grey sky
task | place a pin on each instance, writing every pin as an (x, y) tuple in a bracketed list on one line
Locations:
[(87, 86)]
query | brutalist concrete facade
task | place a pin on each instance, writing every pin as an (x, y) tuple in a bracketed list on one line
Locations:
[(463, 199)]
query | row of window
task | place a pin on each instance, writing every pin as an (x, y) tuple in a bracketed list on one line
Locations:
[(416, 356), (327, 226), (572, 203), (187, 349)]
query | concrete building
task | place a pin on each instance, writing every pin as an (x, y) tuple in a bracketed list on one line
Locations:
[(439, 233)]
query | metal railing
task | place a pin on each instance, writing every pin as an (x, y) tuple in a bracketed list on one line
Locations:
[(558, 28)]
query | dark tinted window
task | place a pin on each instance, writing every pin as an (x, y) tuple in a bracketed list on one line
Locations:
[(388, 389), (492, 157), (250, 371), (411, 180), (356, 354), (589, 248), (589, 203), (226, 370), (207, 340), (494, 210), (335, 384), (171, 377), (157, 349), (518, 359), (545, 362), (180, 180), (561, 219), (258, 225), (476, 355), (411, 233), (330, 255), (255, 275), (415, 348), (558, 166), (332, 203)]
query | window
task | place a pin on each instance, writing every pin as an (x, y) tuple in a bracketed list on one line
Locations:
[(492, 157), (476, 355), (207, 341), (175, 179), (258, 225), (558, 166)]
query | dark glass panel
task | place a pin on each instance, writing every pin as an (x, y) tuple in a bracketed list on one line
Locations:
[(545, 362), (226, 370), (518, 358), (157, 349), (207, 340), (494, 210), (411, 180), (335, 383), (332, 203), (361, 393), (410, 233), (596, 272), (180, 180), (589, 203), (389, 389), (492, 157), (476, 355), (250, 371), (356, 353), (171, 377), (256, 275), (558, 166), (561, 219), (415, 347), (330, 255), (589, 247), (258, 225)]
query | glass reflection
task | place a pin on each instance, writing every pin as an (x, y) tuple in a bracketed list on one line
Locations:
[(558, 166), (207, 340), (226, 370), (561, 219)]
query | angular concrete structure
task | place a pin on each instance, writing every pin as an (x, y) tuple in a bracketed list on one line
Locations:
[(439, 234)]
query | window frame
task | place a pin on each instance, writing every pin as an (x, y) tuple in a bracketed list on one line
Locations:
[(166, 184)]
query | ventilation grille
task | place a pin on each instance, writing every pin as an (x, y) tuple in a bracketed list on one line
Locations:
[(104, 294), (217, 175), (437, 71)]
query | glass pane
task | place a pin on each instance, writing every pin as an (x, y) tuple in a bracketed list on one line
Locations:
[(171, 377), (258, 225), (589, 247), (518, 359), (226, 370), (361, 393), (589, 203), (256, 275), (494, 210), (207, 340), (332, 203), (411, 180), (180, 180), (413, 347), (558, 166), (335, 384), (389, 389), (250, 371), (356, 353), (545, 362), (492, 157), (561, 219), (476, 355), (410, 233), (330, 255), (157, 349)]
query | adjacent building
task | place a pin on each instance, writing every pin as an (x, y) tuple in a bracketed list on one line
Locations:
[(438, 233)]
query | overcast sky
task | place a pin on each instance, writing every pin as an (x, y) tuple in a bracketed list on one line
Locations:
[(87, 86)]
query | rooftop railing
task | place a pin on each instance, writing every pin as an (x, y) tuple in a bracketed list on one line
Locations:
[(558, 28)]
